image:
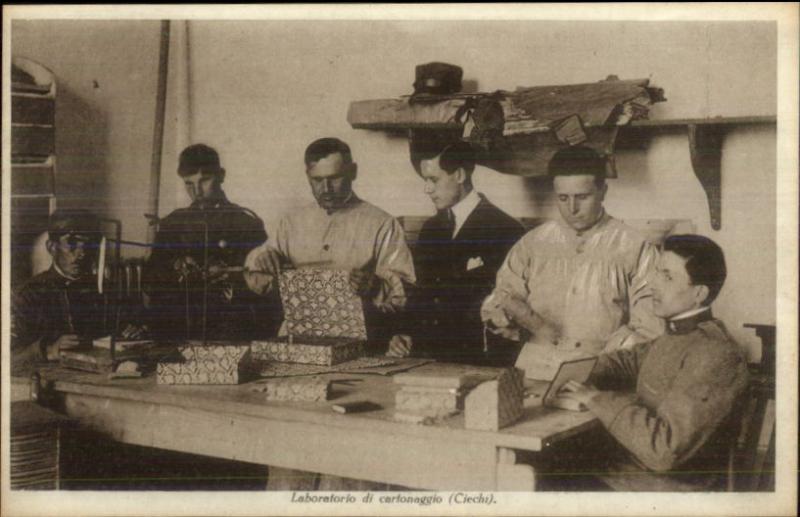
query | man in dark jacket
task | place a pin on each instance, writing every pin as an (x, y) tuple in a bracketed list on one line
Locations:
[(456, 259), (59, 308), (189, 277)]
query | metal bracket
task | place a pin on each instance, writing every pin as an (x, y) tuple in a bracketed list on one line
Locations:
[(705, 150)]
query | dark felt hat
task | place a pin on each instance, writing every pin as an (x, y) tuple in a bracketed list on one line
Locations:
[(73, 221), (198, 157), (438, 79)]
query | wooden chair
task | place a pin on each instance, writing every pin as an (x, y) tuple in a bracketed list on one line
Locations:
[(751, 463)]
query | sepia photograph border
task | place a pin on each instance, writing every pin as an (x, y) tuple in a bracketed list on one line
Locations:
[(781, 502)]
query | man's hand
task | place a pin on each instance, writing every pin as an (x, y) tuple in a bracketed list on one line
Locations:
[(186, 267), (261, 267), (64, 342), (578, 392), (217, 273), (362, 282), (521, 313), (400, 346), (494, 317), (132, 331)]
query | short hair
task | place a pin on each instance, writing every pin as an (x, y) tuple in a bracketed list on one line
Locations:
[(73, 221), (453, 154), (198, 157), (319, 149), (705, 261), (578, 160)]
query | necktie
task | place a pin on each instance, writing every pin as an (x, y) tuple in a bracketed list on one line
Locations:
[(448, 225)]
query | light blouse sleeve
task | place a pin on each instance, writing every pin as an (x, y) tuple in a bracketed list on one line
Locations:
[(393, 266)]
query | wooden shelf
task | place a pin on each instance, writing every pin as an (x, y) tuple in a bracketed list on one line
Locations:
[(705, 135)]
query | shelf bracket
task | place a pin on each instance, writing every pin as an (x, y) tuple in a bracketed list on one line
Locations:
[(705, 149)]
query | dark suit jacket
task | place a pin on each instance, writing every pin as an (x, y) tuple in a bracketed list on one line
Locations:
[(454, 276)]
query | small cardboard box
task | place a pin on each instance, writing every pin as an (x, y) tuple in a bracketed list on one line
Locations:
[(431, 403), (495, 404), (321, 303), (305, 350), (448, 376), (216, 364), (294, 389)]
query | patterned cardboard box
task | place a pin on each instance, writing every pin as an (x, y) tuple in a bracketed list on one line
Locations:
[(495, 404), (208, 365), (320, 351), (302, 389), (320, 302)]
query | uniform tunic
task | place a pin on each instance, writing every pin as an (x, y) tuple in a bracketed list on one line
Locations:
[(592, 284), (674, 410), (233, 311), (48, 306)]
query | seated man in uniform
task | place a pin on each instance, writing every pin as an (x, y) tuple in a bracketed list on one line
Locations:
[(61, 307), (456, 259), (340, 231), (671, 402), (194, 249), (578, 283)]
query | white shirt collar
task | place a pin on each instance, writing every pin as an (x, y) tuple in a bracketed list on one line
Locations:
[(689, 313), (463, 208)]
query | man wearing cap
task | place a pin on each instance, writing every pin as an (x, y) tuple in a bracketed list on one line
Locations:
[(340, 231), (59, 308), (191, 277), (577, 285), (671, 403), (456, 258)]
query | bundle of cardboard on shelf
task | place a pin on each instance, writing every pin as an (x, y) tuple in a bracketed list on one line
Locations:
[(515, 132), (490, 397), (323, 318)]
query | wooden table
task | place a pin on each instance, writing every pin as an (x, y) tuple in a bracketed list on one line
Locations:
[(236, 423)]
